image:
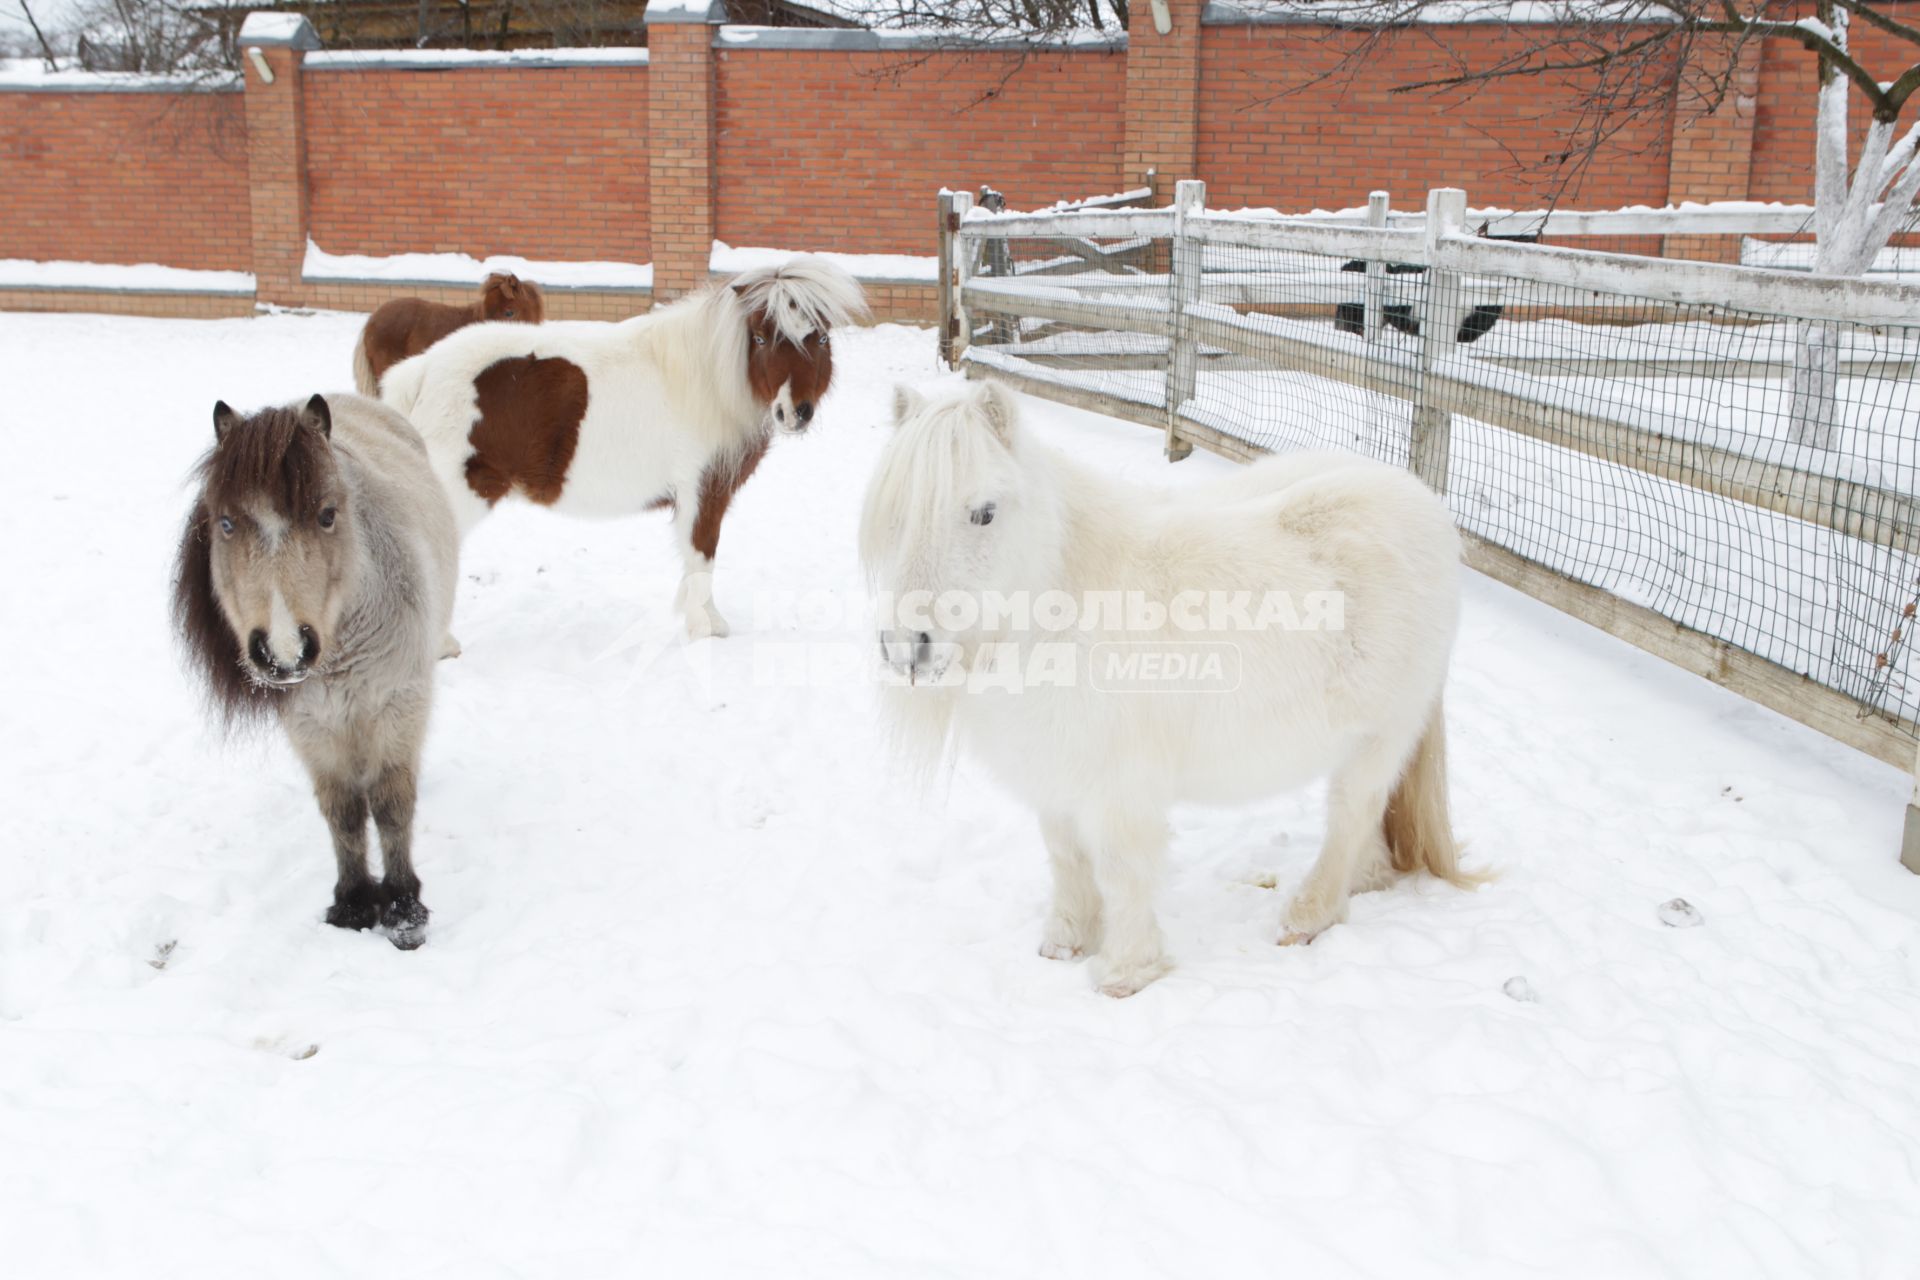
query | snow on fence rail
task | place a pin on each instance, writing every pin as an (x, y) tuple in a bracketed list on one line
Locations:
[(1719, 464)]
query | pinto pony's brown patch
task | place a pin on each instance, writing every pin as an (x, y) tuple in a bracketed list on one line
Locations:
[(407, 326), (775, 359), (277, 458), (529, 426)]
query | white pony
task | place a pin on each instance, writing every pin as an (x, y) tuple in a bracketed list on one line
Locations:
[(673, 408), (1325, 589)]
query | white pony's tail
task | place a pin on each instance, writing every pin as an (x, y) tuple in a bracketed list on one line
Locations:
[(402, 383), (363, 379), (1418, 823)]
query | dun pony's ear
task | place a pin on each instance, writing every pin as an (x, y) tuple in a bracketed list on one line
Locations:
[(906, 403), (509, 285), (1002, 414), (224, 419), (318, 416)]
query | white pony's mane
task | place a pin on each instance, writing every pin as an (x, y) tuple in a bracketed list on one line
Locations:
[(934, 462)]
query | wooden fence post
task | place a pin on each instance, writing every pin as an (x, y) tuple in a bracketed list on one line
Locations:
[(1376, 271), (959, 324), (945, 313), (1189, 197), (1428, 451), (1910, 838)]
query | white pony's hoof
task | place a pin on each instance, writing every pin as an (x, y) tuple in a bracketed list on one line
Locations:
[(449, 647), (1123, 981), (1066, 939), (1307, 917), (707, 622)]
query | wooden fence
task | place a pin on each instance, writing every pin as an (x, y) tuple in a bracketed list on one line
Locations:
[(1187, 314)]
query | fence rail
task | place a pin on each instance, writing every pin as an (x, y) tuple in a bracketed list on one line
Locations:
[(1719, 464)]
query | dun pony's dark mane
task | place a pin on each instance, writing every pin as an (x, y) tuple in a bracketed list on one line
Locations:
[(268, 456)]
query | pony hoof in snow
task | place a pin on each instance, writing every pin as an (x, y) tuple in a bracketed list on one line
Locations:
[(449, 647), (405, 920), (1292, 939), (710, 623), (355, 908), (1307, 918), (1121, 983), (1063, 939)]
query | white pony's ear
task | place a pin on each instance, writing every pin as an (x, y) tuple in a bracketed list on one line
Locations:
[(906, 403), (1002, 414)]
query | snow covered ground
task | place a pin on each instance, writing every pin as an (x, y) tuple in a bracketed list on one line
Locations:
[(712, 991)]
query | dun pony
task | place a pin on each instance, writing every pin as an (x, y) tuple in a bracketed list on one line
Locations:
[(313, 584)]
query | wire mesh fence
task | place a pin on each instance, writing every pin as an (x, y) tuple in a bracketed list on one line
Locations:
[(1752, 474)]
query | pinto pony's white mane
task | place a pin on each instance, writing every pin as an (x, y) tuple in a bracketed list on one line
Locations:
[(801, 295)]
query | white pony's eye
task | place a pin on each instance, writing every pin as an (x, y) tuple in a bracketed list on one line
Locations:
[(982, 514)]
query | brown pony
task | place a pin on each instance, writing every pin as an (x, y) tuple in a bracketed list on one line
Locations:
[(407, 326)]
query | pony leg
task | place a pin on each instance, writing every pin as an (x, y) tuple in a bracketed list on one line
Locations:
[(1073, 924), (356, 899), (1126, 850), (391, 797), (1355, 853), (698, 536)]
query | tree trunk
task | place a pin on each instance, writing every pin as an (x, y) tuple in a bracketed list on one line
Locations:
[(1815, 409)]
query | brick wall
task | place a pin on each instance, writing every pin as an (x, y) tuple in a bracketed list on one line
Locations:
[(125, 177), (546, 163), (787, 143), (1328, 145), (844, 150)]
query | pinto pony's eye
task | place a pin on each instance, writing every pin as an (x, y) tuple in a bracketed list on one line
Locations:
[(226, 526), (982, 514), (326, 517)]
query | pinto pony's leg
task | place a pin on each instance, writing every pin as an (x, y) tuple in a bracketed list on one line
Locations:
[(356, 898), (1126, 850), (696, 528), (1073, 924), (391, 797), (694, 598)]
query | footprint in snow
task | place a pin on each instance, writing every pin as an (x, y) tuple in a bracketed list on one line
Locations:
[(1680, 914)]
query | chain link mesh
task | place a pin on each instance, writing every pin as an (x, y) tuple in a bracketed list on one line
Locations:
[(1750, 476)]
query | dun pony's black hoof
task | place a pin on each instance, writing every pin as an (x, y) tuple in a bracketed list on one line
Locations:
[(355, 908), (405, 920)]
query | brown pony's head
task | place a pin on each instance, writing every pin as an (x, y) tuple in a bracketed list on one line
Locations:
[(266, 556), (789, 310), (505, 296)]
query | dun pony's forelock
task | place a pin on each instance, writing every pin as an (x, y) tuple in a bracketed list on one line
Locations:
[(802, 295), (269, 457)]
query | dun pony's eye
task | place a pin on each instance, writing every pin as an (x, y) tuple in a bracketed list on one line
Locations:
[(326, 517), (509, 313), (226, 526), (982, 514)]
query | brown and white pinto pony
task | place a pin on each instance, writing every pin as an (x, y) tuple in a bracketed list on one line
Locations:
[(407, 326), (673, 408)]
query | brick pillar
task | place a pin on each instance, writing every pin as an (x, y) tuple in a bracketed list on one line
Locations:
[(1163, 96), (680, 140), (1713, 155), (277, 151)]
